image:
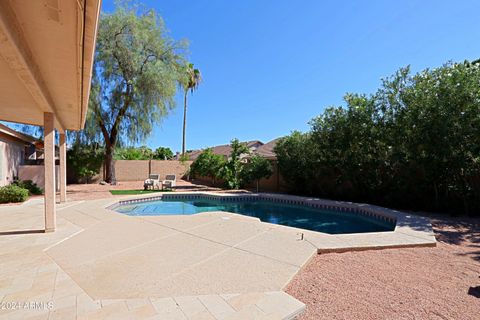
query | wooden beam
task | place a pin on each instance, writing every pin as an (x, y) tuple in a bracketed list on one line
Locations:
[(17, 54)]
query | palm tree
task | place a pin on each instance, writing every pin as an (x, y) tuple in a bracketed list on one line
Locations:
[(192, 81)]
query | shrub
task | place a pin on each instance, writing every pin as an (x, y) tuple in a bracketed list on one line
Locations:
[(162, 153), (85, 161), (257, 168), (232, 171), (208, 164), (31, 186), (13, 193), (415, 143)]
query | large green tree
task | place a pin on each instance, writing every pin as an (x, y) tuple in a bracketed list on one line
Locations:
[(257, 168), (414, 143), (233, 170), (191, 81), (136, 73), (208, 164), (163, 153)]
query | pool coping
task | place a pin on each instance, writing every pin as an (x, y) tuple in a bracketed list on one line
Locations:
[(410, 230)]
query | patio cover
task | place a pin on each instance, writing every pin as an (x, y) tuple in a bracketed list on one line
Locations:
[(46, 50), (46, 57)]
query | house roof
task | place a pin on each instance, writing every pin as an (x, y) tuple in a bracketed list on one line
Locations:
[(224, 149), (266, 150), (17, 135)]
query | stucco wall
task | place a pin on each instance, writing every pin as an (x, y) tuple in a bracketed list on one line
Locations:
[(275, 183), (164, 167), (135, 170), (11, 157), (36, 173)]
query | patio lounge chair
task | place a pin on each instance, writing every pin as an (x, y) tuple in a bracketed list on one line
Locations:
[(170, 181), (152, 182)]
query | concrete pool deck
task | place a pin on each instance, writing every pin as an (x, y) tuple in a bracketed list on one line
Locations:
[(102, 264)]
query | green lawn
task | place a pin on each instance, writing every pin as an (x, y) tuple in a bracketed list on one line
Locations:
[(138, 191)]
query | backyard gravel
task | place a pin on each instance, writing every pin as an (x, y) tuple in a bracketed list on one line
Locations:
[(415, 283)]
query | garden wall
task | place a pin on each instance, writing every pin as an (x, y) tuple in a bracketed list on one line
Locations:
[(36, 173), (274, 183), (135, 170)]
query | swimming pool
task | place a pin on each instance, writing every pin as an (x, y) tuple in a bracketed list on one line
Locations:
[(330, 220)]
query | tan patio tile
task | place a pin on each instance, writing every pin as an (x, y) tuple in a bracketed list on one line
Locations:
[(64, 308), (191, 306), (182, 223), (112, 311), (243, 300), (230, 272), (64, 313), (105, 238), (248, 312), (25, 314), (48, 267), (36, 316), (140, 273), (136, 303), (168, 309), (273, 316), (142, 312), (106, 302), (217, 306), (280, 245), (282, 304), (85, 304), (66, 287), (229, 231), (79, 218), (227, 296), (205, 315)]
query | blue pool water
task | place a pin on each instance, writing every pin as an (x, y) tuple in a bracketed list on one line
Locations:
[(327, 221)]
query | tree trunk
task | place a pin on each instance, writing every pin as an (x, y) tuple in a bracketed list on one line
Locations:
[(184, 121), (257, 184), (109, 166)]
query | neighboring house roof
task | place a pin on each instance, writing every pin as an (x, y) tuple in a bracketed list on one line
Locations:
[(16, 135), (37, 144), (225, 149), (266, 150)]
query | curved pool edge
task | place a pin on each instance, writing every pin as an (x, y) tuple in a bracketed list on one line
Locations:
[(410, 230)]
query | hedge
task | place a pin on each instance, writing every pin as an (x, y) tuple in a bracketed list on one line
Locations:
[(13, 193)]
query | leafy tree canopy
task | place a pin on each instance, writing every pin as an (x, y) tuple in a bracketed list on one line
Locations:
[(232, 172), (137, 70), (208, 164), (257, 168), (163, 153), (415, 143)]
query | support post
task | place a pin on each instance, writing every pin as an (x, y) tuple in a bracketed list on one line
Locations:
[(63, 168), (49, 163)]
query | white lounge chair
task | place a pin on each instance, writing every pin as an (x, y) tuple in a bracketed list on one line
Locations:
[(152, 182), (170, 181)]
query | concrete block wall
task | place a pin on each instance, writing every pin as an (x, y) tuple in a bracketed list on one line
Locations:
[(164, 167), (36, 173), (131, 170), (275, 183), (136, 170)]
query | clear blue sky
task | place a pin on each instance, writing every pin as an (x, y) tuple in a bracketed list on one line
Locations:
[(271, 66)]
